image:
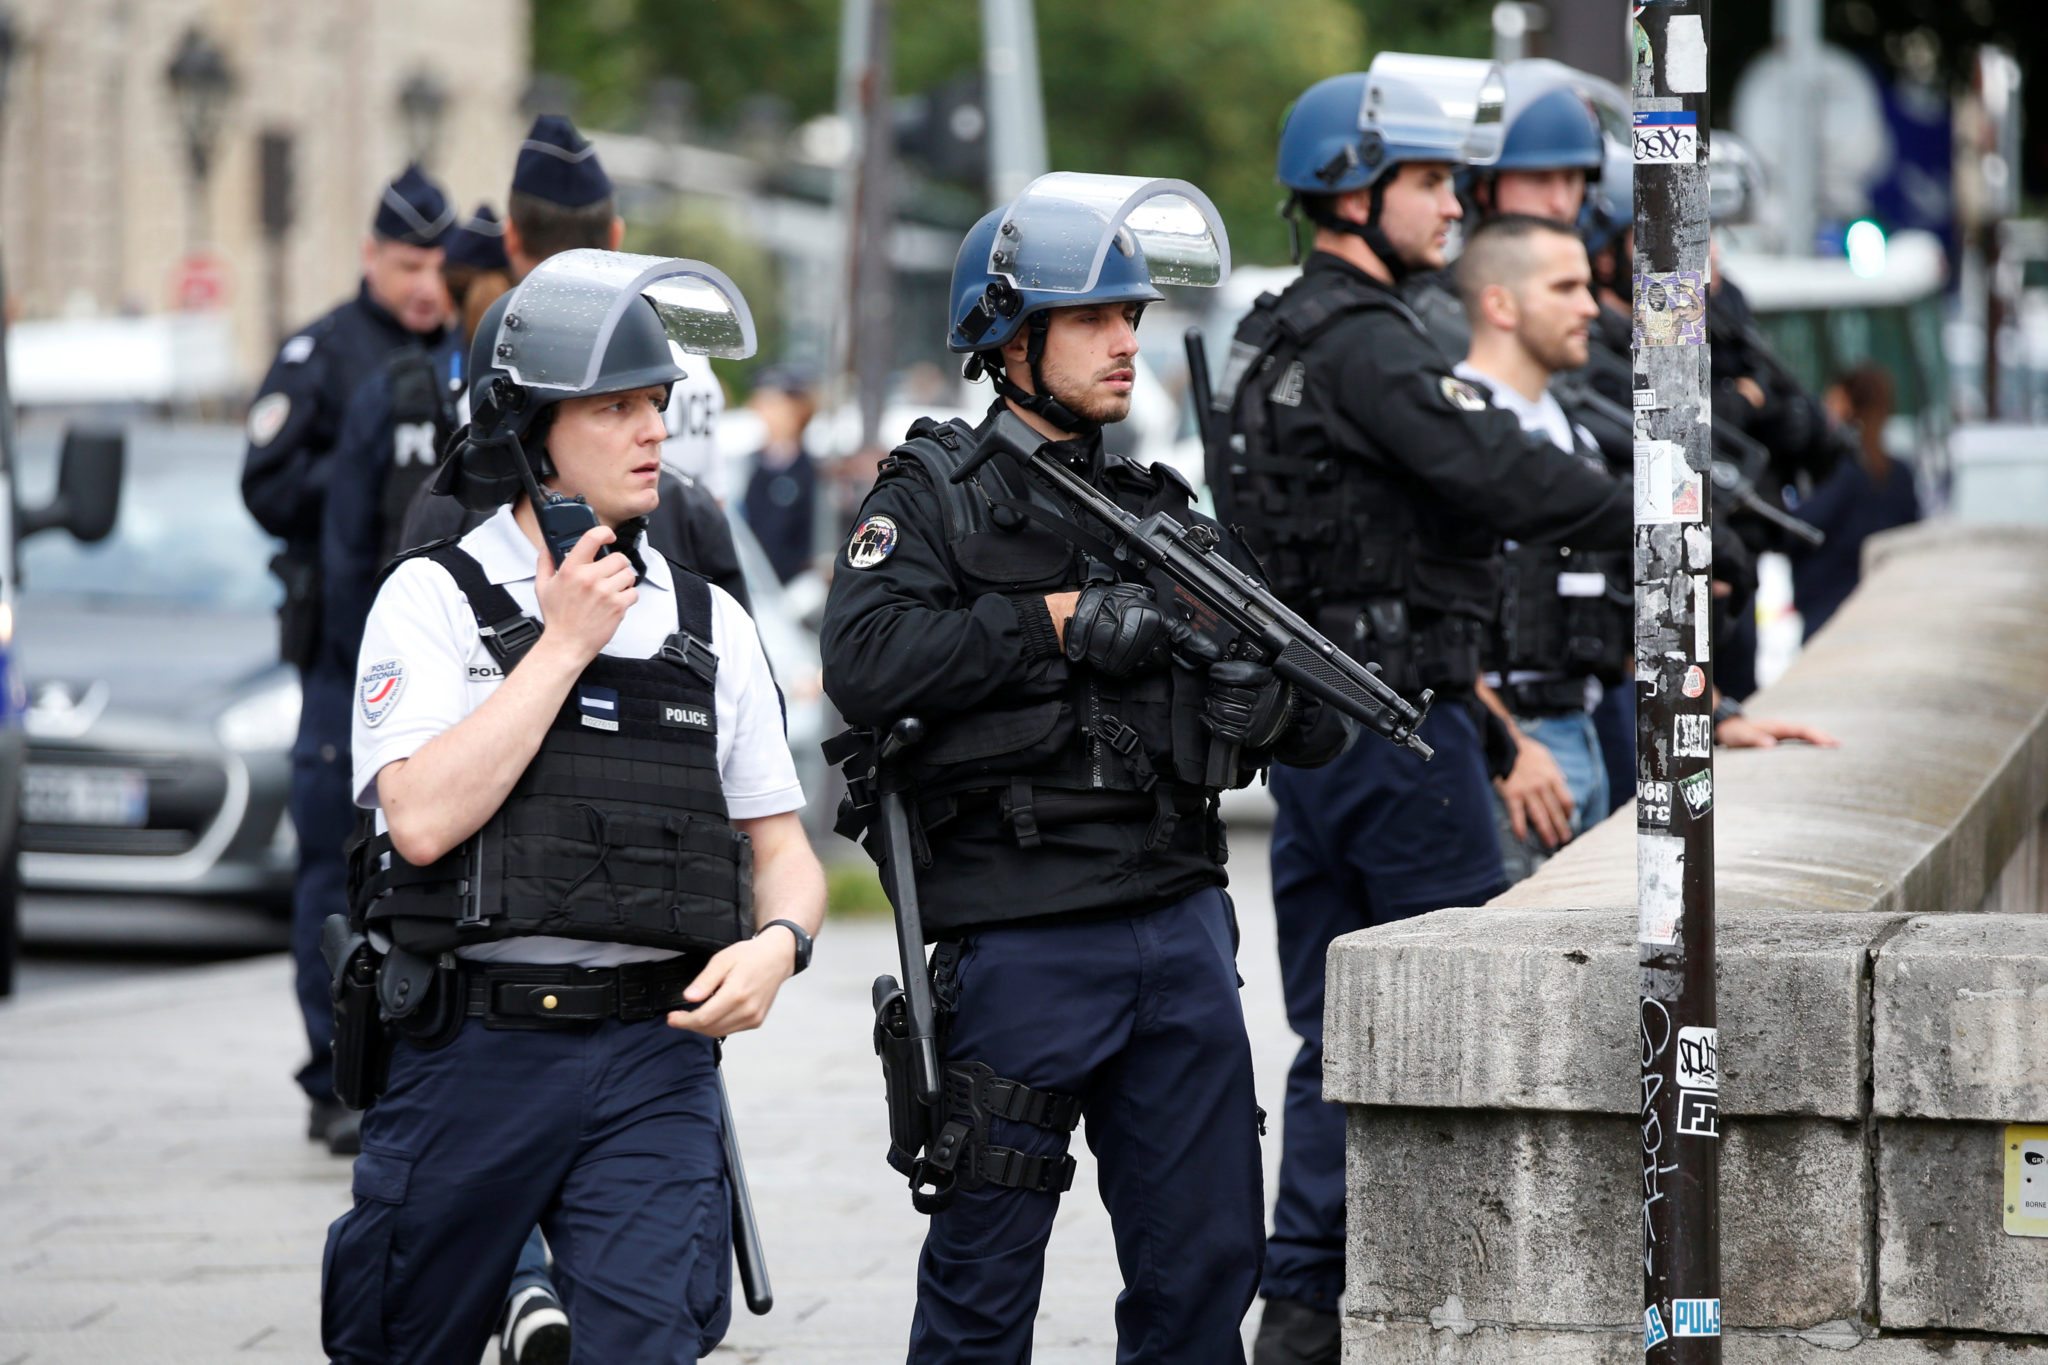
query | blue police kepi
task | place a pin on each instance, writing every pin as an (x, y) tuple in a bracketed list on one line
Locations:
[(293, 425)]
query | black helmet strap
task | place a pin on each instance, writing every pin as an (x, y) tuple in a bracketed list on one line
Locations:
[(1369, 231), (1040, 402)]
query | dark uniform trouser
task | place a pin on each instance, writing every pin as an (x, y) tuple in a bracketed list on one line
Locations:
[(606, 1135), (1376, 836), (1140, 1018), (324, 816)]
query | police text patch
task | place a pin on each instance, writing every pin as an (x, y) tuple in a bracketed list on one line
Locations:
[(874, 540), (267, 417), (378, 689), (1461, 395), (685, 717), (599, 705)]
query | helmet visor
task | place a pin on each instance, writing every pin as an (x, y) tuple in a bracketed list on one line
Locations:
[(561, 317), (1423, 105), (1056, 235)]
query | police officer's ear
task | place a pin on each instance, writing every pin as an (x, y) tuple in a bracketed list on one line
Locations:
[(618, 233), (1501, 307)]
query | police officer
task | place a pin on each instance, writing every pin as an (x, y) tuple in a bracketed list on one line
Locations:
[(561, 199), (1550, 153), (1074, 878), (1567, 620), (588, 863), (1375, 486), (292, 428)]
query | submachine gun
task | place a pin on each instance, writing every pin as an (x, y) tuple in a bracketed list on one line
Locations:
[(1222, 611)]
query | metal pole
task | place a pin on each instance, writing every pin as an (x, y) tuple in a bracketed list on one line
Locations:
[(871, 336), (1016, 104), (1674, 692), (1798, 34)]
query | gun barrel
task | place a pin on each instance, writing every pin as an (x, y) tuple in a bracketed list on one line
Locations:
[(746, 1229)]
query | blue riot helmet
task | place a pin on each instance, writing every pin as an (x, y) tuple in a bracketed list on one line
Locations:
[(583, 323), (1608, 216), (1071, 239), (1350, 132), (1556, 130)]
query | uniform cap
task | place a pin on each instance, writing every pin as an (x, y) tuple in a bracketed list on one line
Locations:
[(480, 242), (413, 210), (558, 165)]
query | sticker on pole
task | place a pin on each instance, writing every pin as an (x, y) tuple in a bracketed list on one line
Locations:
[(1698, 791), (1692, 736), (1653, 1327), (1699, 1058), (1653, 804), (1671, 308), (1667, 137), (1696, 1317), (2026, 1180), (1660, 888), (1667, 488)]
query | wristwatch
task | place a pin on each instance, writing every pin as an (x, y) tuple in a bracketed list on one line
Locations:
[(803, 941), (1725, 710)]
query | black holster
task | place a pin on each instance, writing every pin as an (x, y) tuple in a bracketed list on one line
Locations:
[(911, 1124), (298, 615), (362, 1040)]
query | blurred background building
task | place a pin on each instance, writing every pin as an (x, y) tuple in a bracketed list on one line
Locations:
[(222, 158)]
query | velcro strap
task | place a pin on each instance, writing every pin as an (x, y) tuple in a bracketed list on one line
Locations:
[(1012, 1169), (1022, 1104)]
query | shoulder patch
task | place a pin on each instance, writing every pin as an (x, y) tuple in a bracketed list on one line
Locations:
[(296, 351), (1461, 395), (379, 688), (267, 417), (873, 541)]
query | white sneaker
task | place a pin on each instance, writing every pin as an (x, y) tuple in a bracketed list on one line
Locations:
[(536, 1329)]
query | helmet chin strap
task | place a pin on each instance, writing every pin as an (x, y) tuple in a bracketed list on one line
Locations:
[(1369, 231), (1041, 402)]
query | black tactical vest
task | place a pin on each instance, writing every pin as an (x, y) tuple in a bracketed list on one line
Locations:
[(422, 420), (1337, 537), (1564, 611), (1108, 749), (617, 830)]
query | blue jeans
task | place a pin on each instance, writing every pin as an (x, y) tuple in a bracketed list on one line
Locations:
[(1139, 1017), (1574, 742)]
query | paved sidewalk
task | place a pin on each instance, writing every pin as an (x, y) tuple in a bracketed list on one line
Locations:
[(160, 1201)]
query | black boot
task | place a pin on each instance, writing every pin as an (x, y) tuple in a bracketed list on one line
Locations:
[(1292, 1333)]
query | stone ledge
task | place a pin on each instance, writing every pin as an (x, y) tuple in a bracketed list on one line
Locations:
[(1944, 1259), (1375, 1341), (1534, 1010), (1960, 1019), (1538, 1218)]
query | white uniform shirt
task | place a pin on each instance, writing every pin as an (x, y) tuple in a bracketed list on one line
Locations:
[(694, 407), (424, 667)]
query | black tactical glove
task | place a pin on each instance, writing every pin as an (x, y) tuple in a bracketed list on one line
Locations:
[(1247, 705), (1117, 629)]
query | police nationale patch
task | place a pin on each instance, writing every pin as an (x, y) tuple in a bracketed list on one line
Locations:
[(874, 540), (267, 417), (1461, 395), (600, 707), (377, 691)]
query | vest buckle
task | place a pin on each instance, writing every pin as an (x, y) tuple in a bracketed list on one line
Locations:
[(509, 640), (693, 655)]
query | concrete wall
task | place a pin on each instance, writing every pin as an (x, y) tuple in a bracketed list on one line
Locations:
[(1883, 995)]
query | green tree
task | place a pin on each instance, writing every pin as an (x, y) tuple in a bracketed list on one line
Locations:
[(1195, 92)]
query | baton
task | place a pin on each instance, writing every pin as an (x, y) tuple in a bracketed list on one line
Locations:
[(746, 1232), (917, 981)]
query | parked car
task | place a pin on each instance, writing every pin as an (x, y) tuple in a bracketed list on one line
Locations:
[(159, 720)]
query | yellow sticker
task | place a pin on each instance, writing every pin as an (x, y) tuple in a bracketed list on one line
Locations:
[(2026, 1180)]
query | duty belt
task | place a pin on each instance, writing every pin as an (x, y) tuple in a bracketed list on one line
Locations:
[(1550, 697), (518, 995)]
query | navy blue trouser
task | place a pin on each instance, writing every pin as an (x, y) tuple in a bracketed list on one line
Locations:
[(607, 1136), (1377, 835), (324, 815), (1140, 1018)]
